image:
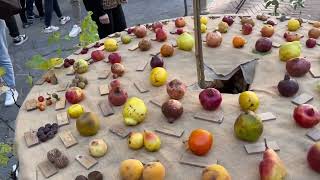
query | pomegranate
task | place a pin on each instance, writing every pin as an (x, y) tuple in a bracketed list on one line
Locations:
[(117, 96), (140, 31), (117, 69), (172, 110), (176, 89), (114, 84), (210, 98), (156, 25)]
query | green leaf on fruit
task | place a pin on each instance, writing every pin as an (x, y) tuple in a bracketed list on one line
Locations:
[(261, 53), (2, 71)]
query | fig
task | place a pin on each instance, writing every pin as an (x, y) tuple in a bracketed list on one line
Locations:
[(172, 109), (314, 33), (144, 45), (288, 87), (263, 44), (311, 43), (156, 62), (176, 89), (228, 19), (298, 67)]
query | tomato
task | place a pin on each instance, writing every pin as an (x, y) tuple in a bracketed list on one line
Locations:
[(200, 141)]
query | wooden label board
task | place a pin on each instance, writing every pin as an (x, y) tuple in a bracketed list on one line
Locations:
[(31, 138), (156, 102), (31, 104), (106, 108), (47, 168), (86, 161), (142, 66), (104, 75), (216, 117), (61, 104), (62, 119), (120, 131), (140, 87), (104, 89), (314, 134), (315, 72), (40, 81), (68, 139), (302, 99), (170, 131), (260, 147), (192, 160), (268, 116), (62, 87)]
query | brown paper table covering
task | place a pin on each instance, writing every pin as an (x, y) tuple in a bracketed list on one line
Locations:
[(227, 149)]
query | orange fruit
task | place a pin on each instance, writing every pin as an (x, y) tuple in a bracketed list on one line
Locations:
[(200, 142), (166, 50), (238, 42)]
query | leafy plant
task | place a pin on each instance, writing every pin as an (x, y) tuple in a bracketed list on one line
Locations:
[(5, 149), (297, 4), (38, 62), (89, 32), (275, 3)]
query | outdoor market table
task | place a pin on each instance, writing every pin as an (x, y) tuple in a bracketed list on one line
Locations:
[(227, 149)]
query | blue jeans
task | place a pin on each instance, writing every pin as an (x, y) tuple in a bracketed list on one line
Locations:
[(5, 61)]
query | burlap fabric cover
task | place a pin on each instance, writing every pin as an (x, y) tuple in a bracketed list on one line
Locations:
[(227, 149)]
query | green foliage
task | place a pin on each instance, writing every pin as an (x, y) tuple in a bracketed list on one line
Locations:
[(2, 71), (275, 3), (297, 3), (39, 63), (54, 38), (89, 32), (4, 150), (29, 80)]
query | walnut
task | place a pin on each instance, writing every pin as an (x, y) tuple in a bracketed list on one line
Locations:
[(95, 175), (61, 162), (81, 177), (53, 154)]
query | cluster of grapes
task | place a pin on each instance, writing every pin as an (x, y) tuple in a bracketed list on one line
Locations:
[(68, 62), (79, 81), (47, 132)]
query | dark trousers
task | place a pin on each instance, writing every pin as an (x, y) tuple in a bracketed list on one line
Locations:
[(117, 22), (29, 7), (49, 6), (23, 11), (12, 26)]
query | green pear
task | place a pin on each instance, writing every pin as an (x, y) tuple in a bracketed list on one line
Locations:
[(126, 39), (151, 141), (271, 167), (185, 42), (248, 126), (290, 50)]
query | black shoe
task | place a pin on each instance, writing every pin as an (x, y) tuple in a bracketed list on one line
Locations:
[(30, 18), (26, 25), (20, 39)]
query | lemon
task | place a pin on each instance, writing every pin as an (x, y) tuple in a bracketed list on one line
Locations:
[(203, 20), (248, 100), (110, 45), (75, 111), (203, 28), (158, 76), (293, 25)]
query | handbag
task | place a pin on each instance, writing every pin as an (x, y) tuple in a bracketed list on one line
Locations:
[(9, 8)]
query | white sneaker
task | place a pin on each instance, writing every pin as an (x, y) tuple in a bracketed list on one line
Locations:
[(50, 29), (64, 19), (75, 31), (11, 97)]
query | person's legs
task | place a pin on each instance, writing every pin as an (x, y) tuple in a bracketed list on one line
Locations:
[(39, 6), (48, 8), (29, 7), (23, 11), (104, 29), (76, 12), (13, 27), (119, 20), (56, 8)]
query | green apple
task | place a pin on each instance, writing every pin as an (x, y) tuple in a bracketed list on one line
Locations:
[(126, 39), (185, 41)]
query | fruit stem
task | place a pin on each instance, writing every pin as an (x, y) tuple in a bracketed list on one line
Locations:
[(286, 77), (265, 143)]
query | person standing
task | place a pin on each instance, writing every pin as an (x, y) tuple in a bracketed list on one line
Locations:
[(23, 16), (49, 6), (108, 15), (29, 7), (76, 11), (17, 38), (5, 62)]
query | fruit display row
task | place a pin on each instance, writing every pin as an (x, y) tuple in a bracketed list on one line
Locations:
[(134, 113)]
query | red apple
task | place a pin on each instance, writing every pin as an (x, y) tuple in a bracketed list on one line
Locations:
[(179, 31), (314, 157), (161, 35), (311, 43), (156, 25), (247, 29), (140, 31), (263, 44), (114, 58), (97, 55), (74, 95), (180, 22), (267, 31), (306, 116), (228, 19), (210, 98)]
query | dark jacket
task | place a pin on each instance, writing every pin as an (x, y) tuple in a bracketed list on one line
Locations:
[(96, 7)]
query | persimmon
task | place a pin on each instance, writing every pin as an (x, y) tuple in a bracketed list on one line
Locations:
[(200, 142), (238, 42)]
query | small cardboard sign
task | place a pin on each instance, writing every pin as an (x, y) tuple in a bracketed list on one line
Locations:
[(70, 72), (156, 102), (62, 119), (192, 160), (216, 117), (104, 89), (31, 138), (106, 108), (260, 147), (47, 168), (104, 75), (142, 66), (170, 131), (302, 99), (40, 81), (276, 45), (268, 116), (120, 130), (62, 87), (31, 104), (86, 161), (314, 135), (140, 87), (315, 72), (61, 104), (134, 47), (68, 139)]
